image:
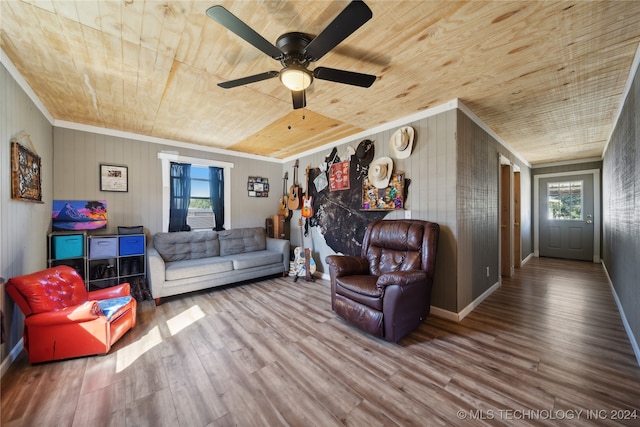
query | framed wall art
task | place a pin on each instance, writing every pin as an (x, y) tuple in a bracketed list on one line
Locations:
[(26, 176), (114, 178), (258, 186)]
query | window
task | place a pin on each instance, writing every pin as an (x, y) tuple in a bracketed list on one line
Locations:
[(196, 175), (200, 213), (564, 200)]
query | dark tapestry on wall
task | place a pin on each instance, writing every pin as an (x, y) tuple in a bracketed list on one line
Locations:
[(338, 214)]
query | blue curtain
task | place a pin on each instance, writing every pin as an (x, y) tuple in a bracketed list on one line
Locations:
[(216, 193), (180, 196)]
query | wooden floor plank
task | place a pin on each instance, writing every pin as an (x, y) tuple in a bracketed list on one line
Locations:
[(272, 353)]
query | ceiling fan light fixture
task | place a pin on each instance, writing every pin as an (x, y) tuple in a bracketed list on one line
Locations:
[(296, 78)]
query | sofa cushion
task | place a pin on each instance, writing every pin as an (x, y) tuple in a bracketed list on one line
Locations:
[(196, 267), (186, 245), (254, 259), (242, 240)]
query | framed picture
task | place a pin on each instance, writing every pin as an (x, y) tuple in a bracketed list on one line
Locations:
[(258, 186), (26, 184), (114, 178)]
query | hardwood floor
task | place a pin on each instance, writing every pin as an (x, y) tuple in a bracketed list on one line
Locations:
[(547, 348)]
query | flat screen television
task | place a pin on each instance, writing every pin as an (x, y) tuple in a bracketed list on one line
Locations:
[(74, 215)]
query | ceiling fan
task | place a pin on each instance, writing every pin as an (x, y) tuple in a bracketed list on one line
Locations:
[(296, 51)]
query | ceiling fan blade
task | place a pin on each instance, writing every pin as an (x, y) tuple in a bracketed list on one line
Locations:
[(234, 24), (299, 99), (342, 76), (349, 20), (249, 79)]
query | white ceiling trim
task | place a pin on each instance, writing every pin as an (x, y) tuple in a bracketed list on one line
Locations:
[(11, 68), (155, 140), (366, 134)]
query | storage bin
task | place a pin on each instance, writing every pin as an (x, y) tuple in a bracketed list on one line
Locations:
[(68, 246), (103, 247), (131, 245)]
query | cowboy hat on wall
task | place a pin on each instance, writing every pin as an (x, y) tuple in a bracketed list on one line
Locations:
[(401, 142), (380, 172)]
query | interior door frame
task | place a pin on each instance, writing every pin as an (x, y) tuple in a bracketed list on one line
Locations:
[(596, 208), (514, 236)]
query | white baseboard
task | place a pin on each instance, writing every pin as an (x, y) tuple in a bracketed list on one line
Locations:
[(625, 323), (15, 351), (445, 314), (527, 259), (456, 317), (468, 309)]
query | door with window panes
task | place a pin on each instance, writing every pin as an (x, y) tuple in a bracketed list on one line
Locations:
[(566, 217)]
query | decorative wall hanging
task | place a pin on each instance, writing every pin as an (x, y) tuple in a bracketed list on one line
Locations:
[(26, 181), (77, 215), (339, 213), (384, 199), (339, 176), (114, 178), (380, 171), (258, 186), (401, 142)]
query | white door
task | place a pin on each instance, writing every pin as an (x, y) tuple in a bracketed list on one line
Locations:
[(566, 217)]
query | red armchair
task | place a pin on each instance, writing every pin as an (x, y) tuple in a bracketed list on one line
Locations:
[(386, 291), (63, 320)]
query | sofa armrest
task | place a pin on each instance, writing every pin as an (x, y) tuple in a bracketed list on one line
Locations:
[(87, 311), (344, 265), (282, 246), (156, 272)]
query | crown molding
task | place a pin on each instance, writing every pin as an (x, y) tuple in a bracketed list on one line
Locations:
[(11, 68)]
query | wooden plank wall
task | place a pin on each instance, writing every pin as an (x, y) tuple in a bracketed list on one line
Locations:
[(78, 155), (432, 193), (621, 207), (23, 225), (477, 209)]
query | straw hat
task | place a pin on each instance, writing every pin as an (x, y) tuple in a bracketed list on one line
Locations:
[(402, 142), (380, 172)]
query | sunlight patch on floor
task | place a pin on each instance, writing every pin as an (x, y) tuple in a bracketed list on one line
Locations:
[(130, 353), (184, 319)]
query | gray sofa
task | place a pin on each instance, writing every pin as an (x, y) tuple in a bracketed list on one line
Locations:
[(188, 261)]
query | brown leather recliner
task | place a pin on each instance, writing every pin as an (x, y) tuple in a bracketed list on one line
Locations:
[(387, 290)]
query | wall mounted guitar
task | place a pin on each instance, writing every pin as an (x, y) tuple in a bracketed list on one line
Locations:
[(283, 209), (303, 263), (307, 200), (295, 192)]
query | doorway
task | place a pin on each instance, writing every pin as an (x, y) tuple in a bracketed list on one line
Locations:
[(567, 215), (506, 264), (510, 214)]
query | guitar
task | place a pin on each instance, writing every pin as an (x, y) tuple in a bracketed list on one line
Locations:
[(283, 209), (307, 200), (295, 191), (303, 262)]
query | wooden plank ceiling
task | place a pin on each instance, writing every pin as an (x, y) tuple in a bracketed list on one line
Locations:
[(546, 76)]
